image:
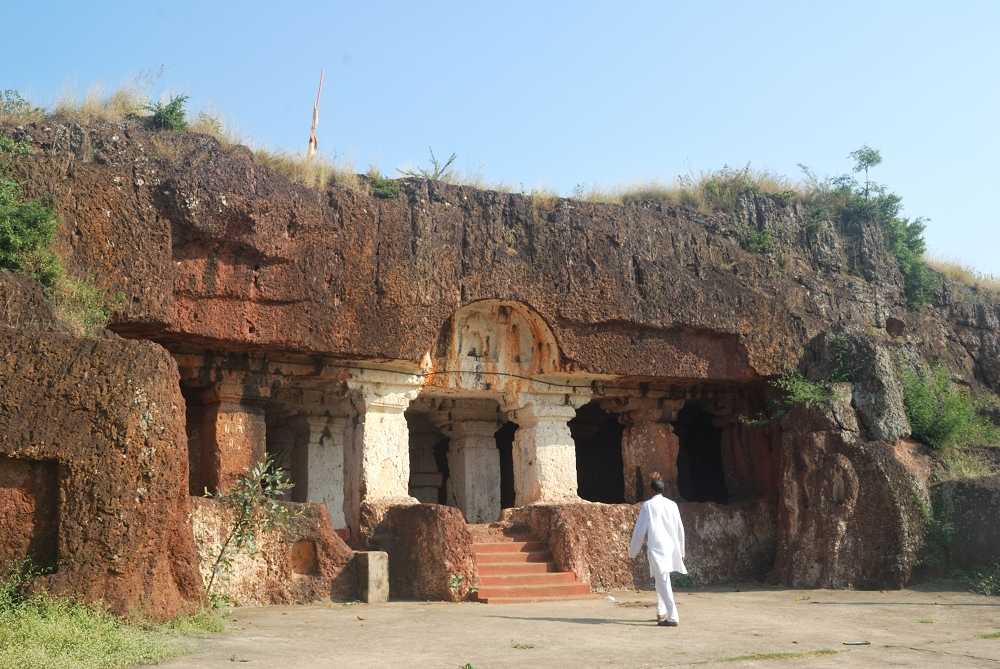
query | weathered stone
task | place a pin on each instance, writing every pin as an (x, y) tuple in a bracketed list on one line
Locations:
[(850, 511), (868, 365), (430, 552), (93, 470), (372, 568), (301, 562), (725, 543)]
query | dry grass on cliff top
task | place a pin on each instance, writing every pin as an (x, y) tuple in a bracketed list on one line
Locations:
[(709, 191), (961, 273)]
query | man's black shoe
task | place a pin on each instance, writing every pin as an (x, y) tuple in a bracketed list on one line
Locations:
[(667, 623)]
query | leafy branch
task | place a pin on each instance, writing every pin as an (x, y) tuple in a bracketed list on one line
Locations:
[(256, 507)]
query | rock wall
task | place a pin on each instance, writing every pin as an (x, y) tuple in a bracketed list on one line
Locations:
[(430, 552), (93, 465), (724, 543), (850, 512), (210, 246), (303, 562), (972, 508)]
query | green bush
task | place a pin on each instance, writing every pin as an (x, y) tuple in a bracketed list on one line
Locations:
[(755, 241), (942, 415), (26, 230), (381, 186), (801, 391), (171, 115), (15, 109)]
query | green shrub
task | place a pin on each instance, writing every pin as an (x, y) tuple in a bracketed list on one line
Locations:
[(381, 186), (801, 391), (754, 240), (26, 230), (83, 306), (171, 115), (942, 415)]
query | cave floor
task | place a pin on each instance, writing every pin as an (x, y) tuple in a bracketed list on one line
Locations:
[(927, 627)]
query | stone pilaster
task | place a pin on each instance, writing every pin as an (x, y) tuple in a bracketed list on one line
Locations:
[(325, 465), (233, 433), (544, 451)]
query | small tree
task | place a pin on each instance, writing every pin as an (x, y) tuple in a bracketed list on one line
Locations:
[(866, 158), (253, 500)]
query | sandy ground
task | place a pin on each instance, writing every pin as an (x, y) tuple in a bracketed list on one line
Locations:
[(905, 628)]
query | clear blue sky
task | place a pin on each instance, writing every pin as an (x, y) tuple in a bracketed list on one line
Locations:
[(554, 94)]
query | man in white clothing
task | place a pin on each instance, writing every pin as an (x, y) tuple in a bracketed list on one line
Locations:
[(660, 528)]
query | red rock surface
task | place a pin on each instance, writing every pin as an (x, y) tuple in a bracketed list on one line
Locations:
[(430, 552), (210, 246), (93, 469)]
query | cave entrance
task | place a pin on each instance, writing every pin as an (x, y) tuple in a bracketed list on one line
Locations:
[(600, 473), (700, 470)]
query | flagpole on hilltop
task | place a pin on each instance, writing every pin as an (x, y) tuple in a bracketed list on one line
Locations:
[(313, 141)]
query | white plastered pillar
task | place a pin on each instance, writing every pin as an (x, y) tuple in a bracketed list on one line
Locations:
[(544, 451), (377, 459)]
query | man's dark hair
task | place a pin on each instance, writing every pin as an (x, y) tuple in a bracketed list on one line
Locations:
[(657, 486)]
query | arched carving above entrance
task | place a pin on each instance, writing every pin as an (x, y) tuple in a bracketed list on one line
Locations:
[(492, 346)]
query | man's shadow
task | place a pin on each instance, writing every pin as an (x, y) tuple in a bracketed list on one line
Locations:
[(583, 621)]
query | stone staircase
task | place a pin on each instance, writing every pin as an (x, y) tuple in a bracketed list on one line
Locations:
[(515, 567)]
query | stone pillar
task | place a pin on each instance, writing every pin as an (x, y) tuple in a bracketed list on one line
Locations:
[(377, 464), (473, 458), (325, 465), (649, 445), (544, 451), (233, 431)]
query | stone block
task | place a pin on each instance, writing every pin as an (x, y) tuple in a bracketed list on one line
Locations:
[(372, 569)]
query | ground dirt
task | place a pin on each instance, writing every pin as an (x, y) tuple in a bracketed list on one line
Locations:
[(907, 628)]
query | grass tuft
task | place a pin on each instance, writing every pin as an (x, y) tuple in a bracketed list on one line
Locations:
[(95, 106), (316, 172), (990, 635)]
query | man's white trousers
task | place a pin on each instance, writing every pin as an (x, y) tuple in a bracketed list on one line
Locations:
[(666, 607)]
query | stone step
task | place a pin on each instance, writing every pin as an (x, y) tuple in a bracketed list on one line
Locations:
[(527, 600), (530, 592), (514, 568), (512, 558), (509, 547), (541, 578)]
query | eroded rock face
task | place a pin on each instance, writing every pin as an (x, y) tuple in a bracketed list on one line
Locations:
[(876, 393), (210, 246), (850, 511), (430, 552), (972, 506), (303, 562), (93, 470)]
